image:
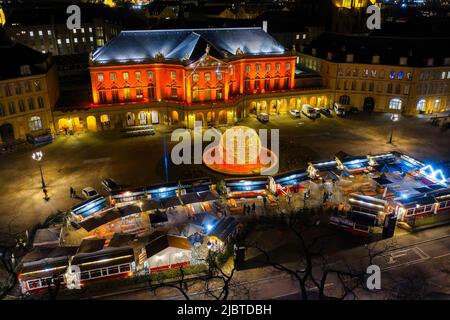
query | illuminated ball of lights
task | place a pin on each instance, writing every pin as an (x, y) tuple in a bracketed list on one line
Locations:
[(240, 145)]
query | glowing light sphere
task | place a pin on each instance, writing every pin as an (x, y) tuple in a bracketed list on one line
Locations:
[(240, 145)]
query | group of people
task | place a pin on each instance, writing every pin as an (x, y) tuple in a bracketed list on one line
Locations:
[(249, 208)]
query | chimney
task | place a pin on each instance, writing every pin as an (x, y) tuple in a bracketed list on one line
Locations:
[(376, 59), (265, 25)]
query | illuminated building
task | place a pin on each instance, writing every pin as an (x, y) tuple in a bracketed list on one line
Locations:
[(381, 74), (28, 92)]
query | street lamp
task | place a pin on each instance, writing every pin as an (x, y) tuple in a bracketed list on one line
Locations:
[(394, 119), (38, 155)]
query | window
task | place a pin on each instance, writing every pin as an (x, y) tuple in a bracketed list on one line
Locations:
[(257, 84), (267, 67), (12, 108), (67, 41), (392, 75), (195, 77), (219, 76), (267, 84), (437, 103), (395, 104), (102, 96), (278, 67), (207, 76), (219, 94), (113, 76), (443, 75), (409, 76), (389, 88), (127, 94), (151, 91), (355, 72), (18, 88), (174, 92), (100, 77), (41, 104), (195, 94), (139, 94), (115, 95), (363, 86), (49, 32), (40, 33), (247, 85), (173, 75), (2, 111), (258, 68), (277, 83), (149, 75), (21, 105), (59, 41), (406, 89), (100, 42), (398, 89), (31, 34), (31, 103), (344, 100), (247, 68), (400, 75), (137, 75), (35, 123), (125, 76), (8, 90), (75, 40), (288, 66), (373, 73), (421, 105)]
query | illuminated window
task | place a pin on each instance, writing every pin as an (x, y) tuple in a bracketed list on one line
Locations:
[(392, 75), (125, 76), (115, 95), (173, 75), (100, 77), (35, 123), (67, 40), (207, 76), (395, 104), (443, 75), (49, 32), (127, 94), (112, 76), (31, 34), (373, 73), (400, 75), (31, 103), (421, 105), (149, 74), (278, 67), (195, 77), (267, 67), (288, 66), (75, 40), (258, 68), (409, 76), (247, 68), (139, 94), (59, 41), (219, 94), (40, 33), (100, 42), (174, 92), (137, 75), (437, 103), (37, 85), (365, 73), (219, 76)]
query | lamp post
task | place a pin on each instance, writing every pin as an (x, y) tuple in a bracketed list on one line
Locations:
[(394, 119), (38, 155)]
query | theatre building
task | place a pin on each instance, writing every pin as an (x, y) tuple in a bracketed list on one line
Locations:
[(176, 77)]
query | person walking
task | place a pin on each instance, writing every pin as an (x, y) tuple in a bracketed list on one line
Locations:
[(254, 207), (72, 192)]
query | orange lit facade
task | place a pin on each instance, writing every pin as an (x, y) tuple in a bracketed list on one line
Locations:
[(209, 80)]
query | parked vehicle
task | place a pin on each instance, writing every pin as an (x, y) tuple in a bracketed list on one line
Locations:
[(110, 185), (310, 111), (263, 117), (89, 192), (341, 109), (295, 113), (326, 112)]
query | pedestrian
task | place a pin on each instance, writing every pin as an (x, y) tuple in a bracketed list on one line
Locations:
[(72, 192), (253, 207), (289, 199), (248, 209)]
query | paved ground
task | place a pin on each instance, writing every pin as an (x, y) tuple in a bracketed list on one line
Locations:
[(84, 160)]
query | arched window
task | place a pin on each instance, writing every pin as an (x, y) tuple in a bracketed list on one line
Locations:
[(35, 123), (195, 94), (267, 83), (247, 84), (395, 104), (151, 91), (421, 104), (257, 84)]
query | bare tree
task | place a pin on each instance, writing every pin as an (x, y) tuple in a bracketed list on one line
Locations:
[(181, 285)]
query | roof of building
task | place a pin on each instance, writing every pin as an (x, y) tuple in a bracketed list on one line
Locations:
[(15, 55), (167, 241), (224, 228), (47, 237), (96, 221), (91, 245), (390, 49), (186, 44)]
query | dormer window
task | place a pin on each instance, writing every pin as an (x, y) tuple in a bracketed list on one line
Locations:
[(25, 70)]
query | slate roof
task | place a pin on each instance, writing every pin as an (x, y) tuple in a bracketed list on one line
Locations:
[(186, 44)]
